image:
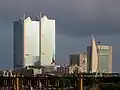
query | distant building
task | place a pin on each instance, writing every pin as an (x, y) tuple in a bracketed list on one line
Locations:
[(105, 58), (48, 69), (101, 53), (34, 42), (74, 69), (25, 72), (89, 60), (63, 70), (79, 60)]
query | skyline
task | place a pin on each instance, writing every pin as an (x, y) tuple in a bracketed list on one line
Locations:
[(75, 20), (74, 50)]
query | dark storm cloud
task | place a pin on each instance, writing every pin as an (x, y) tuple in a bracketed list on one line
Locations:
[(73, 17)]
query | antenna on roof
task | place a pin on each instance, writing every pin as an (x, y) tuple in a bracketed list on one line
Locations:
[(93, 36), (40, 15), (23, 18)]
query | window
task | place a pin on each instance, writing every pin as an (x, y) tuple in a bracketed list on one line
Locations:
[(104, 63), (104, 50)]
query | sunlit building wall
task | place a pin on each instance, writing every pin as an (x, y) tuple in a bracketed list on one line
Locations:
[(34, 42), (31, 41), (47, 41)]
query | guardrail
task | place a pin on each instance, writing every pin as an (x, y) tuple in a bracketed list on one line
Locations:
[(36, 82), (18, 83)]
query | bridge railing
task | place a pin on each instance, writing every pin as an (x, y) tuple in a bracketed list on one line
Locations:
[(37, 82), (51, 82)]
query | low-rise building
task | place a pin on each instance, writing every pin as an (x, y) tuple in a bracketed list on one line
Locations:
[(63, 70)]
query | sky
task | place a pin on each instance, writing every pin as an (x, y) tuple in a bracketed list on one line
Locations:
[(76, 20)]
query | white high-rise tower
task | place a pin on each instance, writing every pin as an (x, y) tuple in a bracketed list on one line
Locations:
[(34, 42)]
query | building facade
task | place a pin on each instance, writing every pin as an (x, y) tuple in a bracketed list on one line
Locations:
[(103, 61), (47, 41), (79, 60), (34, 42), (105, 58)]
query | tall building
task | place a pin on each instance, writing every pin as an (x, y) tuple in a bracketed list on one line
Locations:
[(105, 58), (79, 60), (34, 42), (99, 57)]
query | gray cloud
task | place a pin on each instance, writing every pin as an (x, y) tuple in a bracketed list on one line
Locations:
[(73, 17)]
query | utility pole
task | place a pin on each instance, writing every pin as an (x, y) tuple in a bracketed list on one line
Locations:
[(81, 82)]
